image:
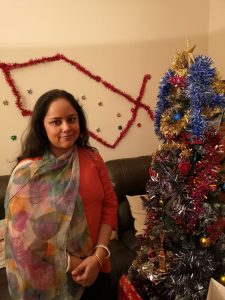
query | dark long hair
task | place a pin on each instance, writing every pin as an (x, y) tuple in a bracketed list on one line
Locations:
[(35, 142)]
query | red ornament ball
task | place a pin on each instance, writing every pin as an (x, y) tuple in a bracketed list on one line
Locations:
[(184, 168), (151, 253), (152, 172)]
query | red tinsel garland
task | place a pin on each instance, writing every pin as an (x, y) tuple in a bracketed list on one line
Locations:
[(205, 174), (8, 67), (215, 230), (195, 187)]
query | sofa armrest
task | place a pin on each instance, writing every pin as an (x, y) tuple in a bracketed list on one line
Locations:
[(3, 185)]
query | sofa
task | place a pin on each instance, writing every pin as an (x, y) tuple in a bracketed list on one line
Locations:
[(128, 177), (3, 282)]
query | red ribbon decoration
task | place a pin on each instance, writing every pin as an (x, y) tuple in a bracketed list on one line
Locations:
[(8, 67)]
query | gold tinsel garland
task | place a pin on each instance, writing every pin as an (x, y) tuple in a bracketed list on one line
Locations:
[(172, 147), (179, 64), (171, 129)]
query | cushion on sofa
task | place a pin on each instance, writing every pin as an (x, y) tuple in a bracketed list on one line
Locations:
[(138, 212)]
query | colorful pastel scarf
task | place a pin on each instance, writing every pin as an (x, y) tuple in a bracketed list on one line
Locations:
[(44, 219)]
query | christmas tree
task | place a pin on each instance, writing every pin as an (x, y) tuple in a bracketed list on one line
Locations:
[(184, 241)]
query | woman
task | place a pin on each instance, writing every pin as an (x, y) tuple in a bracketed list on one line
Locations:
[(60, 208)]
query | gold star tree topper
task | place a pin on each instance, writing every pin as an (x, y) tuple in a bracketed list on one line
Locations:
[(183, 60), (189, 53)]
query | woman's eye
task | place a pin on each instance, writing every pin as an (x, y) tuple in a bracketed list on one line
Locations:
[(56, 122), (72, 120)]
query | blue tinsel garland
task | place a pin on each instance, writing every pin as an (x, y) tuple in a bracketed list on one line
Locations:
[(163, 103), (199, 91)]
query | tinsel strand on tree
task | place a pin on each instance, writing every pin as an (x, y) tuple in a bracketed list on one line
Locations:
[(184, 241)]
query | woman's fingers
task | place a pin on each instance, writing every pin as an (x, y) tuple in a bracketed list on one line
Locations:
[(86, 273)]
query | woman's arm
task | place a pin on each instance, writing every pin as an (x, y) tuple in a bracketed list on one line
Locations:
[(109, 203), (103, 240)]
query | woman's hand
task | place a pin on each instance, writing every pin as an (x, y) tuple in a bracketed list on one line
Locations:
[(74, 262), (86, 272)]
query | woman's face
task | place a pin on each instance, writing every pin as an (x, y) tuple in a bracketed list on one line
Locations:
[(62, 126)]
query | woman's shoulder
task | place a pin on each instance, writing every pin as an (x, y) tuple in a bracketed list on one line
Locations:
[(89, 154), (26, 162), (88, 151)]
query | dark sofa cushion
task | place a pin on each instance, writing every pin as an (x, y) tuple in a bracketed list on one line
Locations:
[(125, 219), (121, 258), (129, 239), (129, 175)]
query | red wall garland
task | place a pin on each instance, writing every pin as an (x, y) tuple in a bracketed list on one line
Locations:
[(8, 67)]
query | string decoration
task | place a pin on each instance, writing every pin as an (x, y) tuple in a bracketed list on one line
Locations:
[(137, 102)]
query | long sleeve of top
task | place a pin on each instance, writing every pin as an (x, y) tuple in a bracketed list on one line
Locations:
[(97, 193)]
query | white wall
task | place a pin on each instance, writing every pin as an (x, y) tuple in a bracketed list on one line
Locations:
[(217, 34), (120, 40)]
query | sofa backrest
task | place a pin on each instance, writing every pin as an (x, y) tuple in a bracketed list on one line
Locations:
[(129, 177)]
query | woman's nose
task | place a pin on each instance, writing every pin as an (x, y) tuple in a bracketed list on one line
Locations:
[(66, 126)]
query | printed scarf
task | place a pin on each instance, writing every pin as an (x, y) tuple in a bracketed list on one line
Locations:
[(44, 219)]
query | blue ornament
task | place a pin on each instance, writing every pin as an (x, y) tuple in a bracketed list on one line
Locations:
[(223, 187), (177, 116)]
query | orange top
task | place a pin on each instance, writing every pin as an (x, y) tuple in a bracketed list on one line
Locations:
[(99, 199)]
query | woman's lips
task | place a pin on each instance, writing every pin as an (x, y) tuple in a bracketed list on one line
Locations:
[(67, 137)]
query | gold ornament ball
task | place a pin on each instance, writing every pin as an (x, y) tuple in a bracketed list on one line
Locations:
[(204, 242), (161, 202), (222, 279)]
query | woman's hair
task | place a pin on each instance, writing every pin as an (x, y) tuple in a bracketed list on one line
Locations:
[(36, 141)]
